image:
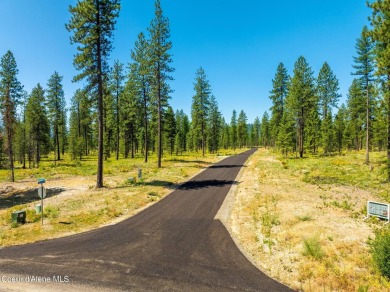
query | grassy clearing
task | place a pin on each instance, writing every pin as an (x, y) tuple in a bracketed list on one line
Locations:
[(314, 210), (79, 206)]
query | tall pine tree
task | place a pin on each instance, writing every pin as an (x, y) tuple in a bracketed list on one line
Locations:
[(10, 94), (364, 65), (380, 34), (301, 99), (92, 24), (55, 102), (278, 96), (200, 107), (143, 67), (160, 60)]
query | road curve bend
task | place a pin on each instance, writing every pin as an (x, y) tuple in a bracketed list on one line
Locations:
[(174, 245)]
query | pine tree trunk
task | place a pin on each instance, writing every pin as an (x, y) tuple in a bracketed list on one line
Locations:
[(146, 124), (10, 153), (159, 151), (24, 144), (58, 143), (132, 140), (8, 125), (300, 138), (388, 130), (99, 179), (203, 143), (117, 124), (368, 127)]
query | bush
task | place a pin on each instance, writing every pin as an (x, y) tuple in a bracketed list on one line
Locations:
[(312, 248), (51, 212), (32, 216), (380, 249)]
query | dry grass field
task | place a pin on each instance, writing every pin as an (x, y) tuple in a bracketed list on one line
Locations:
[(302, 221)]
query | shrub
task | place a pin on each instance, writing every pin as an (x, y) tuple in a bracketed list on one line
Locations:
[(312, 248), (51, 212), (380, 249), (32, 216)]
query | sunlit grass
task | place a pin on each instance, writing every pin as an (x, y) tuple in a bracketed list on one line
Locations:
[(348, 169)]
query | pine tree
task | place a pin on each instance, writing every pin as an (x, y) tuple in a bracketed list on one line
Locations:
[(265, 133), (182, 126), (38, 127), (76, 143), (143, 65), (214, 126), (233, 130), (328, 133), (379, 125), (160, 60), (364, 65), (278, 96), (21, 138), (327, 90), (55, 102), (10, 94), (356, 116), (117, 88), (339, 127), (286, 139), (314, 129), (242, 129), (132, 110), (109, 121), (225, 134), (380, 34), (92, 24), (256, 131), (170, 129), (301, 98), (200, 107)]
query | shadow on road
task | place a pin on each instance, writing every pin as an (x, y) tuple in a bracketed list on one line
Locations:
[(191, 185), (227, 166)]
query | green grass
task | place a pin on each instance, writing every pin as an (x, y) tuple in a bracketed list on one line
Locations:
[(348, 169)]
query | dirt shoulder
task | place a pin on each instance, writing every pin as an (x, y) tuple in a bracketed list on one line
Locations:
[(310, 237)]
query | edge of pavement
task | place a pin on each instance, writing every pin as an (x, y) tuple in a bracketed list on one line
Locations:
[(224, 212)]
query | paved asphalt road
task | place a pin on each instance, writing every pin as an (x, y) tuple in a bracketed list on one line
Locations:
[(175, 245)]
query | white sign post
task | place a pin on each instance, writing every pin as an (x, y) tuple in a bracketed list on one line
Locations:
[(41, 194), (379, 210)]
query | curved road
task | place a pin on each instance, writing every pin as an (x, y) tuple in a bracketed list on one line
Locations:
[(174, 245)]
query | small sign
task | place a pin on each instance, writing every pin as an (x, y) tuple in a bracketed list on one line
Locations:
[(379, 210), (41, 180), (42, 192)]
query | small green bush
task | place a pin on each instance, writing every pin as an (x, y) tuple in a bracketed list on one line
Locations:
[(153, 196), (32, 216), (312, 248), (305, 218), (51, 212), (380, 249)]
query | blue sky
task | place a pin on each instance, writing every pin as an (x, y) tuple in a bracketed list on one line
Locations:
[(238, 43)]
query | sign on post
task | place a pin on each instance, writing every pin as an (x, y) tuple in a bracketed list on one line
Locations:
[(41, 194), (379, 210)]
